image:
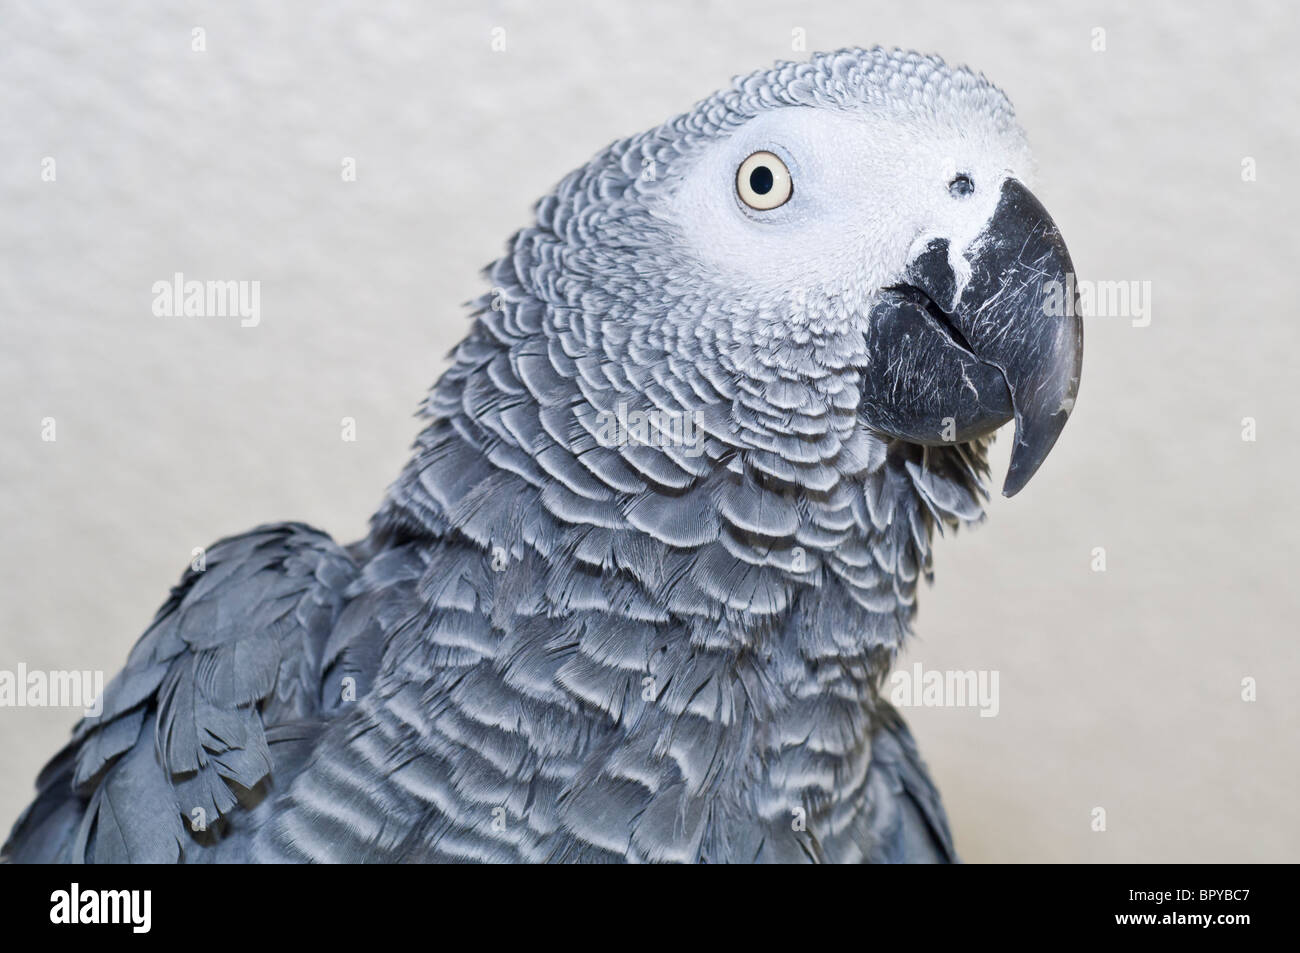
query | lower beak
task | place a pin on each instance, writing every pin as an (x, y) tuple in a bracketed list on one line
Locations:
[(950, 363)]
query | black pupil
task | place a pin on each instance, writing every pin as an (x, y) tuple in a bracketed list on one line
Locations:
[(962, 185), (760, 180)]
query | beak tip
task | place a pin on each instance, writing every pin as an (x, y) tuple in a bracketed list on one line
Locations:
[(1013, 484), (1019, 473), (1033, 444)]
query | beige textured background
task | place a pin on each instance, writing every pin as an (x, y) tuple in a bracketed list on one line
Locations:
[(1118, 689)]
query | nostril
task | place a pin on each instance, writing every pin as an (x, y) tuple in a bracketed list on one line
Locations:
[(961, 186)]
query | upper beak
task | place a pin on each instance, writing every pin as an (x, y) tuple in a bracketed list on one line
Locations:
[(950, 362)]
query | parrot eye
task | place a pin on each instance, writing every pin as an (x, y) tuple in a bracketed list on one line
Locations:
[(961, 186), (763, 182)]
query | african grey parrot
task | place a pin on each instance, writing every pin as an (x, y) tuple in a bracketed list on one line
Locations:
[(634, 596)]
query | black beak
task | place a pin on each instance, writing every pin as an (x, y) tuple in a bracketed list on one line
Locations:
[(950, 364)]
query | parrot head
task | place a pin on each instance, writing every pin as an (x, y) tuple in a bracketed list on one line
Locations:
[(853, 239)]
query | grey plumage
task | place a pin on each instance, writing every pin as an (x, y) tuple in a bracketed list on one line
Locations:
[(551, 646)]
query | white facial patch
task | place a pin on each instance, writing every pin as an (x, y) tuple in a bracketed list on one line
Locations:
[(869, 190)]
